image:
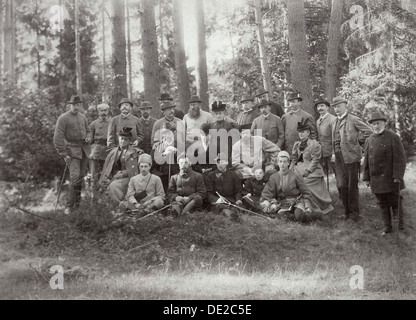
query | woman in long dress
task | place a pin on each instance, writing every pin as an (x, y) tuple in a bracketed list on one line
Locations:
[(306, 156)]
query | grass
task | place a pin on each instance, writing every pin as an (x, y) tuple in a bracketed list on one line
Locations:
[(205, 256)]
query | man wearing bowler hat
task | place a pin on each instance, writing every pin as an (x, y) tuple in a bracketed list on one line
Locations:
[(291, 118), (124, 119), (348, 134), (275, 108), (384, 167), (146, 123), (195, 118), (71, 139), (165, 97), (249, 112), (271, 126)]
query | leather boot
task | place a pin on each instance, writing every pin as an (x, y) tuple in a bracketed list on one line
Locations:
[(398, 214), (386, 217)]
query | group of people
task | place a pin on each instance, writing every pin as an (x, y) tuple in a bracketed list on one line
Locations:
[(266, 161)]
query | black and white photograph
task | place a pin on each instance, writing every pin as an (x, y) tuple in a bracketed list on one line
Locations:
[(208, 156)]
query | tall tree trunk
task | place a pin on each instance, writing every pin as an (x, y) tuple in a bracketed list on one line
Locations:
[(130, 91), (332, 59), (118, 62), (162, 46), (9, 42), (265, 69), (1, 39), (180, 57), (299, 69), (202, 73), (77, 50), (150, 55), (104, 93)]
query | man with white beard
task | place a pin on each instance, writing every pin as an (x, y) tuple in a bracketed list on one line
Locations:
[(194, 119)]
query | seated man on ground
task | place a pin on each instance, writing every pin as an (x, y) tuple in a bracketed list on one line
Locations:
[(120, 165), (253, 187), (227, 184), (145, 191), (282, 194), (186, 189)]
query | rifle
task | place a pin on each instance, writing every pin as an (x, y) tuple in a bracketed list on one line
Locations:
[(292, 206), (60, 186), (242, 209)]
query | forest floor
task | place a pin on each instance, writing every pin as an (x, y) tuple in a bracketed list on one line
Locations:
[(206, 256)]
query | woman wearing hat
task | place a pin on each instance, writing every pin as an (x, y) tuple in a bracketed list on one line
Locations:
[(124, 119), (306, 156), (283, 191), (120, 165), (384, 167)]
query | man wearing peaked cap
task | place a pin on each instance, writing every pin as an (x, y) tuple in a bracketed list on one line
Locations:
[(271, 125), (348, 134), (195, 118), (124, 119), (384, 168), (249, 112), (292, 117), (275, 108), (146, 123), (120, 165), (164, 97), (71, 140), (99, 131)]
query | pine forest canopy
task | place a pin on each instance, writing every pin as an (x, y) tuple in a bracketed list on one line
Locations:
[(362, 49)]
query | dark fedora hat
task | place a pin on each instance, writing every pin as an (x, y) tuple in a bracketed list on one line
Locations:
[(263, 102), (294, 95), (338, 100), (260, 91), (167, 104), (303, 125), (145, 104), (246, 97), (244, 127), (126, 132), (194, 98), (218, 106), (377, 116), (125, 100), (165, 96), (75, 99), (321, 100)]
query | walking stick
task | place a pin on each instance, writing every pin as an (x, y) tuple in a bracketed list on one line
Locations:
[(60, 186)]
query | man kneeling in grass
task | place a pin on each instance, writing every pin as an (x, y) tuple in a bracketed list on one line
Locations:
[(145, 191), (282, 192), (186, 189)]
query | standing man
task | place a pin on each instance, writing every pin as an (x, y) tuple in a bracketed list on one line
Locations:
[(99, 131), (325, 125), (290, 121), (195, 118), (146, 123), (124, 119), (71, 140), (165, 97), (384, 167), (348, 153), (248, 113), (274, 106), (271, 126)]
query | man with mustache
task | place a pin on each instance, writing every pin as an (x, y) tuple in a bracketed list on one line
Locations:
[(165, 97), (384, 167), (195, 118), (271, 126), (146, 123), (249, 111), (124, 119), (275, 108)]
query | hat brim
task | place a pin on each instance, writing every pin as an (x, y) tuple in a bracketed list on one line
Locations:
[(372, 120), (241, 101), (170, 107), (72, 102), (322, 102), (338, 102), (192, 101), (298, 98), (261, 93), (165, 99), (119, 105), (263, 105)]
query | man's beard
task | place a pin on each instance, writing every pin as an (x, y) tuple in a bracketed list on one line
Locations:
[(194, 113), (145, 115)]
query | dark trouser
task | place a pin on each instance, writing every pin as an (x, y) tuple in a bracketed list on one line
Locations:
[(347, 183), (387, 201), (327, 165), (96, 166), (77, 171)]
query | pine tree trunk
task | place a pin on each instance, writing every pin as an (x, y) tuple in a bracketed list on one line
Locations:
[(78, 50), (150, 56), (9, 43), (298, 51), (62, 96), (265, 69), (1, 39), (129, 49), (118, 61), (103, 94), (180, 57), (202, 73), (332, 59)]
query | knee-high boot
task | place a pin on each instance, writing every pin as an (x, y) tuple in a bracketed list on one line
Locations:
[(386, 217)]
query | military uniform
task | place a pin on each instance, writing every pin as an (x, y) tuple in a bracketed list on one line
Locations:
[(99, 131), (147, 128)]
